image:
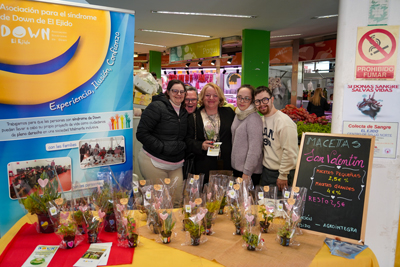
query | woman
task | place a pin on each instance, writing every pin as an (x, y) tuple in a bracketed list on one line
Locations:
[(318, 103), (247, 139), (162, 130), (210, 123)]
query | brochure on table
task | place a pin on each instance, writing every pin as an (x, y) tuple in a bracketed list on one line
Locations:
[(96, 255), (67, 83), (41, 256)]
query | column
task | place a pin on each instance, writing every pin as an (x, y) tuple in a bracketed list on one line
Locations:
[(255, 57), (155, 62), (384, 198)]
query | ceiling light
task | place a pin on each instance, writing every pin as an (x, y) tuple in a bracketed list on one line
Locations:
[(175, 72), (187, 65), (287, 35), (165, 72), (135, 55), (187, 72), (202, 72), (237, 71), (149, 44), (325, 17), (177, 33), (199, 63), (142, 67), (213, 62), (229, 61), (224, 72), (205, 14)]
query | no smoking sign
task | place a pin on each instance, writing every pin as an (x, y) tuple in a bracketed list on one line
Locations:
[(376, 53)]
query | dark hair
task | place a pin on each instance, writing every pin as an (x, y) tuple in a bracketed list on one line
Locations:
[(261, 89), (248, 86), (154, 74), (172, 83)]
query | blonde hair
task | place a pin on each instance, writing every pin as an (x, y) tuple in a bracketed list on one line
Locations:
[(316, 98), (217, 90)]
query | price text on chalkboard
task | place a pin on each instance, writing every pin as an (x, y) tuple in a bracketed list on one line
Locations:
[(335, 169)]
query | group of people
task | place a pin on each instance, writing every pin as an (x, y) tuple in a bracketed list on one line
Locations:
[(94, 156), (180, 121)]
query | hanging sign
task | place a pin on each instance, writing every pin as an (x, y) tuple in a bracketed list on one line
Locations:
[(206, 49), (376, 53)]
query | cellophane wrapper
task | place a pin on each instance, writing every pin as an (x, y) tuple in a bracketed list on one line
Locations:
[(194, 227), (266, 198), (251, 234)]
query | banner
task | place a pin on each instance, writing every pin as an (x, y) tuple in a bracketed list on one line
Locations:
[(206, 49), (65, 94)]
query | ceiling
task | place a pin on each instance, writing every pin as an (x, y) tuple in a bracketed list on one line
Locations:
[(281, 17)]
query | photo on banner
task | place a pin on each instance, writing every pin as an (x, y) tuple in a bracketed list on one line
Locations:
[(67, 76)]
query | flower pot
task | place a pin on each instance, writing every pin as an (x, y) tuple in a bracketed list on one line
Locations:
[(208, 231), (194, 241), (133, 241), (80, 229), (264, 227), (92, 236), (238, 229), (251, 248), (69, 241), (166, 237), (46, 226), (284, 241), (109, 223)]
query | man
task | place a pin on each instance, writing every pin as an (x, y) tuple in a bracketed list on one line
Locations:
[(191, 99), (280, 142)]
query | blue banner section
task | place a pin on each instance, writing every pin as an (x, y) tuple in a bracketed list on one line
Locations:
[(96, 112)]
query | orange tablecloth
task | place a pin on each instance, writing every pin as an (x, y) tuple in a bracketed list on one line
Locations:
[(157, 254)]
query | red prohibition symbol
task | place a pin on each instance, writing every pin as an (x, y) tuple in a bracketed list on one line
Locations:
[(385, 54)]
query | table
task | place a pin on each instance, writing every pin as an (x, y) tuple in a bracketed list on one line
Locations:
[(162, 255)]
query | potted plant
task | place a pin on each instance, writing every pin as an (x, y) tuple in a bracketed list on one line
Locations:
[(131, 231), (78, 217), (222, 206), (67, 231), (93, 223), (168, 224), (236, 217), (103, 198), (195, 227), (212, 207), (37, 203), (267, 218), (252, 240), (285, 234)]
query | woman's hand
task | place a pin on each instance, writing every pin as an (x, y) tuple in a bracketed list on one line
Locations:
[(207, 144)]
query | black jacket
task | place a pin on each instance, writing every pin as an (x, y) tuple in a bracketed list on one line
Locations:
[(318, 110), (161, 131), (204, 163)]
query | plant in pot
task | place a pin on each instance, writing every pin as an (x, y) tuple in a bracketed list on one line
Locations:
[(292, 217), (68, 231), (37, 203), (251, 240), (78, 217), (285, 234), (222, 206), (104, 198), (194, 226), (267, 217), (93, 223), (212, 207), (236, 218), (168, 224), (131, 231)]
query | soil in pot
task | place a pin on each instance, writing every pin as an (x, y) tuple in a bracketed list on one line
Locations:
[(46, 226), (194, 241), (285, 241), (166, 237), (110, 223), (69, 242), (133, 241)]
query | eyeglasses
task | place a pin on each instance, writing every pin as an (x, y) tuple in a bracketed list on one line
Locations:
[(265, 100), (209, 96), (176, 91), (188, 100), (244, 99)]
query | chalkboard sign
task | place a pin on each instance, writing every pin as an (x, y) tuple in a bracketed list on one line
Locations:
[(335, 169)]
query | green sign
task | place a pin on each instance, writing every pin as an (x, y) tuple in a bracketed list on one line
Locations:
[(206, 49)]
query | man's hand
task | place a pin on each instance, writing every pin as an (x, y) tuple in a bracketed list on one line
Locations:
[(282, 184), (246, 178)]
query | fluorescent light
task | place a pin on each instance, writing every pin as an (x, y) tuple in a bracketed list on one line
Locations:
[(205, 14), (287, 35), (177, 33), (149, 44), (325, 17)]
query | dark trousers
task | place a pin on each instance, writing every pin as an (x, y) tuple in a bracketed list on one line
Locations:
[(269, 177), (255, 177)]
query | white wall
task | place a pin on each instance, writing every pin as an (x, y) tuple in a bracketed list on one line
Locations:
[(384, 199)]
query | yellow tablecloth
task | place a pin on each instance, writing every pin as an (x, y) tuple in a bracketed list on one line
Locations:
[(151, 253)]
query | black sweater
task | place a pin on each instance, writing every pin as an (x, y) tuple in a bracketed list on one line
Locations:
[(161, 131)]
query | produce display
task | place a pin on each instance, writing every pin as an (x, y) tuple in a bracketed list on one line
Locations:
[(307, 122)]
